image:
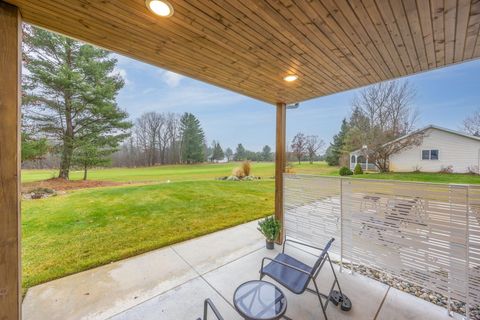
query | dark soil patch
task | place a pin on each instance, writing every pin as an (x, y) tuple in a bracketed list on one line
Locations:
[(58, 184)]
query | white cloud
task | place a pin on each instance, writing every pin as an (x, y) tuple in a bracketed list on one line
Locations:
[(184, 98), (123, 73), (172, 79)]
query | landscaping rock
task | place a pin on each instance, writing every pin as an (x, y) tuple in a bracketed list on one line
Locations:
[(418, 291), (39, 193)]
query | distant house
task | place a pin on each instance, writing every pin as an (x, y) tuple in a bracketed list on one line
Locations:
[(441, 148)]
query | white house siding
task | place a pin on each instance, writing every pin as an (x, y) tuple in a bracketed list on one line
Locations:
[(458, 151)]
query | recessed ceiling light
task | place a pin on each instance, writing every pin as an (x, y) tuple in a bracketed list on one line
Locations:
[(160, 7), (290, 78)]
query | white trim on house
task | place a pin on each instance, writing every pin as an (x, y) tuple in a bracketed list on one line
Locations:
[(457, 150)]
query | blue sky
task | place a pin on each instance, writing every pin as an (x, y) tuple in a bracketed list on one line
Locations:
[(444, 98)]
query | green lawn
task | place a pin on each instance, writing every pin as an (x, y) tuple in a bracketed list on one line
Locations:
[(212, 171), (319, 168), (156, 174), (454, 178), (179, 172), (87, 228)]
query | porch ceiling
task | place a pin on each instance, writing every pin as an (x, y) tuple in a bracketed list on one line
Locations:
[(249, 46)]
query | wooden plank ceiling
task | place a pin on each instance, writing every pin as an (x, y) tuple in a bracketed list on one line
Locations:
[(248, 46)]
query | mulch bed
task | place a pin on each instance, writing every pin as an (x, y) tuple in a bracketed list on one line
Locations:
[(59, 184)]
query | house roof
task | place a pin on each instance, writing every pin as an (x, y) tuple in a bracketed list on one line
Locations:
[(249, 46), (429, 127)]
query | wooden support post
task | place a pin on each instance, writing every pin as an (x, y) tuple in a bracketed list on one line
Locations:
[(280, 161), (10, 68)]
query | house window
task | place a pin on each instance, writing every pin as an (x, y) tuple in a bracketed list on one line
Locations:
[(430, 154), (353, 159), (425, 154)]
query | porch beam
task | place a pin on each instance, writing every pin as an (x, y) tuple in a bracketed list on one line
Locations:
[(10, 68), (280, 161)]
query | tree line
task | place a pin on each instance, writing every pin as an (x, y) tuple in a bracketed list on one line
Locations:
[(162, 138), (170, 138), (381, 114)]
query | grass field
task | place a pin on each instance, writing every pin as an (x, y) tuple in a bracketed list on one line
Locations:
[(454, 178), (87, 228), (211, 171), (155, 174)]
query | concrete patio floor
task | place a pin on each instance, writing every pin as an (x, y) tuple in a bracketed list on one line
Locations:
[(171, 283)]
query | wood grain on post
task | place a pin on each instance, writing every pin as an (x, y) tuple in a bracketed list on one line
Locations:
[(10, 67), (280, 160)]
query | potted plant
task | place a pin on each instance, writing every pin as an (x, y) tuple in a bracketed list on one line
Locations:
[(270, 228)]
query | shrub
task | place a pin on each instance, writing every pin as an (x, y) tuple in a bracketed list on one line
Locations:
[(246, 167), (289, 169), (270, 228), (344, 171), (238, 172), (358, 169), (417, 169), (447, 169)]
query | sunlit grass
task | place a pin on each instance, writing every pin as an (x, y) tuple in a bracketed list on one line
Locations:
[(83, 229)]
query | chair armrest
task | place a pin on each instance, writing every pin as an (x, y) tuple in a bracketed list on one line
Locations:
[(300, 243), (209, 303), (284, 264)]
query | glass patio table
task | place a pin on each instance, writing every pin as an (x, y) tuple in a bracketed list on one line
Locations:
[(259, 300)]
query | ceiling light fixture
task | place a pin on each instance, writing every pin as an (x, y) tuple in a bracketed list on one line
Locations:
[(161, 8), (290, 78)]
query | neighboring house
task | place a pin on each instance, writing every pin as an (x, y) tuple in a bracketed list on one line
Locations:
[(441, 148)]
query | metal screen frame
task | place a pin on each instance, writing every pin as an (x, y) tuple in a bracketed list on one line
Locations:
[(424, 233)]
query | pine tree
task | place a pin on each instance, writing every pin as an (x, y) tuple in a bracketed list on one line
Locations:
[(92, 154), (267, 153), (218, 152), (240, 153), (193, 139), (71, 91), (337, 147), (33, 149)]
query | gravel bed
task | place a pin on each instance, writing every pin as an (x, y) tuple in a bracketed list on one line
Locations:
[(420, 292)]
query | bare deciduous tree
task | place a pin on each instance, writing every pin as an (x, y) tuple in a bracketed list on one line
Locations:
[(471, 124), (298, 146), (312, 145), (155, 140), (382, 114), (147, 128)]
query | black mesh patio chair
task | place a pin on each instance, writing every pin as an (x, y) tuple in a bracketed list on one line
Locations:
[(209, 304), (296, 275)]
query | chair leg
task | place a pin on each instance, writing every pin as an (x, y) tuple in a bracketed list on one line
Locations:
[(335, 276), (319, 295), (339, 297)]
